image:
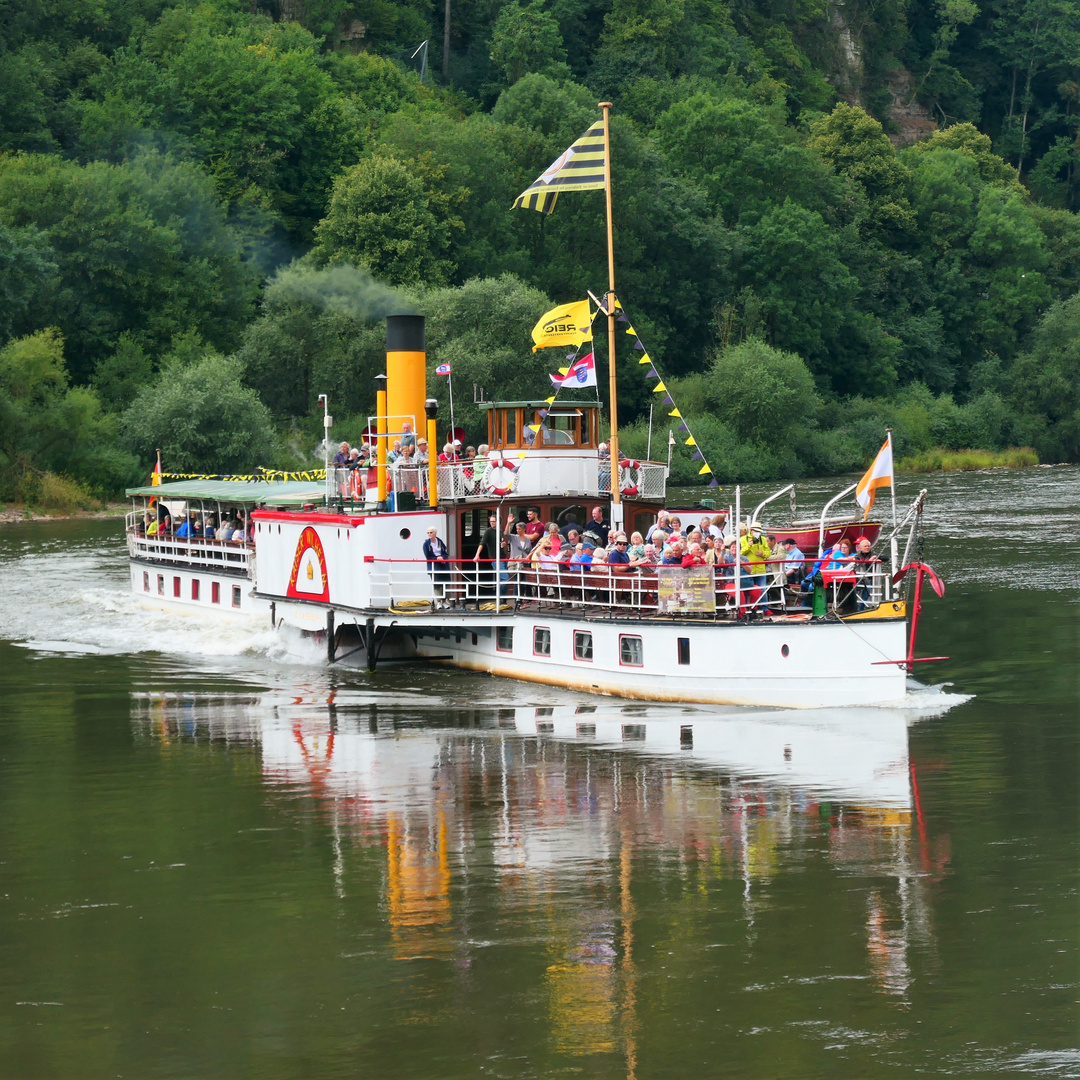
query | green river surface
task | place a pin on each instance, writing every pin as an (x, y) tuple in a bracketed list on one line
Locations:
[(221, 858)]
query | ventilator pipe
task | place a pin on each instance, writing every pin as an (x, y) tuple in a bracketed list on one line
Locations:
[(380, 438), (431, 409)]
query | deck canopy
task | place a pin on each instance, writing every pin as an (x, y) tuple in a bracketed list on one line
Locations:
[(237, 492)]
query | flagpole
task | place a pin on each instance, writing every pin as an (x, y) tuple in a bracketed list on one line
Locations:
[(450, 385), (616, 493), (892, 479)]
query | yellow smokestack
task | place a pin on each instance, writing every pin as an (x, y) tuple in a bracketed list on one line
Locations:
[(406, 372)]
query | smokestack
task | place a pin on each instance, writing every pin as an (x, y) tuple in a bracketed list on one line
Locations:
[(406, 371)]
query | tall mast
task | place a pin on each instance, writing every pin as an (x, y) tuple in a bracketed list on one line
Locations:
[(616, 493)]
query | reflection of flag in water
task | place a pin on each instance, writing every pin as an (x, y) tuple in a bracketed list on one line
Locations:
[(580, 373), (880, 474), (443, 369)]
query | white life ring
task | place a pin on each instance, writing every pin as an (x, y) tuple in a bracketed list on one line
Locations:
[(629, 476), (499, 477)]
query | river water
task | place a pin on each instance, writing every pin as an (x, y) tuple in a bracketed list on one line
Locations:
[(221, 858)]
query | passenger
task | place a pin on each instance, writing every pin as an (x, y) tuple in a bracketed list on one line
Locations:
[(756, 549), (842, 557), (711, 545), (570, 523), (342, 456), (661, 523), (354, 458), (407, 436), (603, 452), (422, 452), (694, 536), (600, 557), (570, 546), (750, 594), (648, 558), (636, 548), (599, 527), (395, 452), (583, 555), (448, 456), (210, 529), (705, 526), (554, 536), (794, 562), (719, 522), (694, 556), (520, 546), (152, 527), (865, 569), (438, 564), (534, 527), (673, 554), (676, 526), (186, 530), (489, 550), (619, 554)]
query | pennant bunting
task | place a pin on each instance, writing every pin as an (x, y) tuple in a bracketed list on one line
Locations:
[(698, 455), (639, 345), (690, 442), (660, 388), (676, 414), (621, 317), (652, 374), (645, 360), (704, 471), (714, 482), (631, 330), (667, 400)]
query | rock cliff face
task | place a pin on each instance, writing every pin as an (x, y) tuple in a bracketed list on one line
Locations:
[(912, 119)]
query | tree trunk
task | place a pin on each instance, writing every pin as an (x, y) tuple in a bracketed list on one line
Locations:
[(446, 45)]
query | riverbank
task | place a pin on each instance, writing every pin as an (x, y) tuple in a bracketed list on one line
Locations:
[(941, 460), (14, 513)]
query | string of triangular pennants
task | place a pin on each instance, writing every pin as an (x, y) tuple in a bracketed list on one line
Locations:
[(661, 388)]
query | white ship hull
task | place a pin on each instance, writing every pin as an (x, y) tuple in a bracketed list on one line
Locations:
[(783, 665)]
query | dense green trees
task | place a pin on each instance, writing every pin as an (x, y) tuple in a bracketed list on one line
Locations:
[(186, 182)]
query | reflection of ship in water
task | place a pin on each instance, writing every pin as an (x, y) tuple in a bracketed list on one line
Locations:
[(560, 810)]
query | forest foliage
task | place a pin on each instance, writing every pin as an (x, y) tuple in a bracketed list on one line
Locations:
[(824, 224)]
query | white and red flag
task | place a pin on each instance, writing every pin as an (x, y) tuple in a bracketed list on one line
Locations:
[(580, 373)]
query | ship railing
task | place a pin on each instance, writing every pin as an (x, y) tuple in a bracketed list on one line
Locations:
[(233, 556), (487, 585)]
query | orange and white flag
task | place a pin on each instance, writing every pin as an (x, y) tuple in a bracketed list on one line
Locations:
[(880, 474)]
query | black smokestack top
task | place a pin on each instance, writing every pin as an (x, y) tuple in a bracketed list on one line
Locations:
[(405, 333)]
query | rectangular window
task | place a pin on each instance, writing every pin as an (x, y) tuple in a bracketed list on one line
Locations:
[(582, 645), (631, 651), (215, 592), (194, 588), (145, 582), (633, 732), (236, 596), (176, 587), (686, 737), (586, 731), (504, 638), (684, 650), (161, 584), (541, 641)]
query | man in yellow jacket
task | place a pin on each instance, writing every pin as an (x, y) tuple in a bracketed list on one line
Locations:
[(755, 548)]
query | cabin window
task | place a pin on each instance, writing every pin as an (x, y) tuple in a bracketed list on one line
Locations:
[(541, 641), (684, 650), (236, 596), (631, 651), (504, 638), (176, 587), (510, 427), (145, 581), (161, 584), (686, 737), (560, 428), (566, 513), (215, 592), (194, 588), (633, 732), (582, 645)]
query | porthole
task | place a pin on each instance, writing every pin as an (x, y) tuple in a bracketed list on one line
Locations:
[(784, 650), (405, 534)]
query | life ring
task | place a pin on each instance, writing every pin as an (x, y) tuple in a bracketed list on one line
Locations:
[(499, 477), (629, 476)]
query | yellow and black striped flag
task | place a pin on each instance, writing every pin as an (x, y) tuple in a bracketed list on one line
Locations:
[(580, 168)]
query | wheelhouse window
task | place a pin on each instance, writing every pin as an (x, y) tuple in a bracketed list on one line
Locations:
[(582, 645), (541, 641), (518, 424), (631, 651), (504, 638)]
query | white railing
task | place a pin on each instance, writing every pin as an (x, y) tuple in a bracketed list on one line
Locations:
[(228, 555), (615, 589), (537, 475)]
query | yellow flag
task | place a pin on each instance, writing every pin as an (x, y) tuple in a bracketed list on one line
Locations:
[(568, 324), (550, 400), (630, 330), (704, 471), (660, 388), (690, 442), (676, 414), (646, 359)]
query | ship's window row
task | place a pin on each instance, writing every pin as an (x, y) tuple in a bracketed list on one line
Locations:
[(215, 591)]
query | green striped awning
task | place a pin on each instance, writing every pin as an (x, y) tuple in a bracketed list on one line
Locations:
[(237, 493)]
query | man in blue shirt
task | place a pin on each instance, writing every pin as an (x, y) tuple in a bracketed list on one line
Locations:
[(617, 552), (794, 561)]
